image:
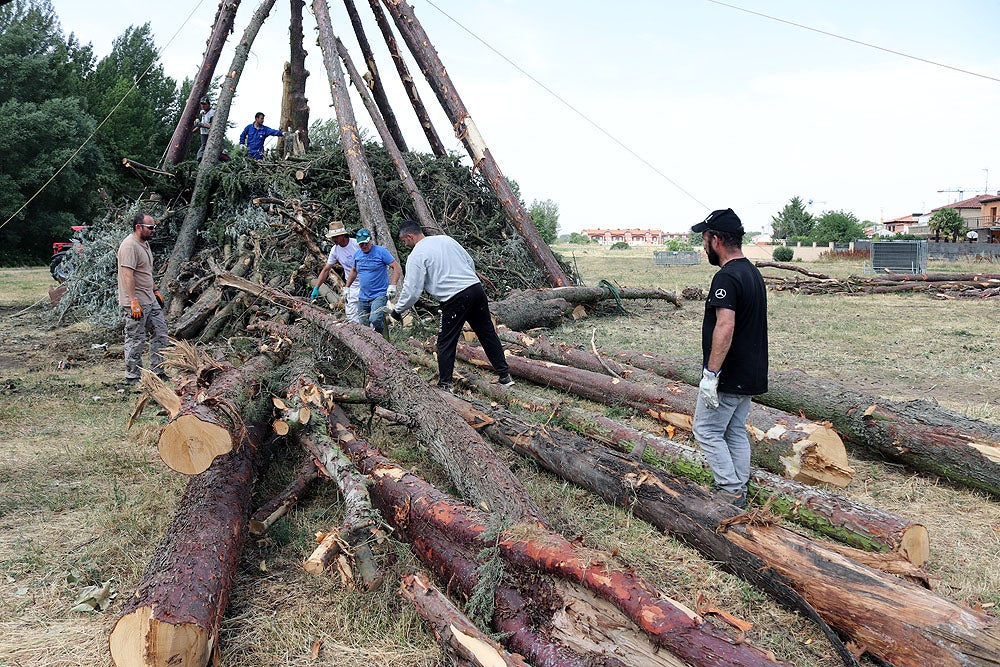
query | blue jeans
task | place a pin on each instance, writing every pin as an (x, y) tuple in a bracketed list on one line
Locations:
[(722, 434), (371, 312)]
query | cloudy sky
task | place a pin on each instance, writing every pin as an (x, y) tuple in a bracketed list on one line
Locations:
[(658, 111)]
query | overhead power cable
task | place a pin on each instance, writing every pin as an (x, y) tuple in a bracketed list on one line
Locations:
[(571, 107), (106, 118), (854, 41)]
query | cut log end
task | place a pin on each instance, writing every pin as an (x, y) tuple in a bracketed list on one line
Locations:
[(819, 459), (189, 445), (139, 640), (915, 545)]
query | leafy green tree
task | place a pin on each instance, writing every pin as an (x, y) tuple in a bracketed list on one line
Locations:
[(41, 76), (579, 239), (947, 222), (783, 254), (674, 244), (837, 226), (545, 215), (793, 220), (144, 118)]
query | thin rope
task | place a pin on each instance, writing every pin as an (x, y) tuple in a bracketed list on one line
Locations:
[(855, 41), (604, 284), (106, 118)]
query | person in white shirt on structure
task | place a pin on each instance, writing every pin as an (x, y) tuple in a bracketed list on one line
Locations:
[(342, 253), (445, 270)]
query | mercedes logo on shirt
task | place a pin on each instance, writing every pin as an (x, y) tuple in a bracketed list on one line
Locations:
[(720, 293)]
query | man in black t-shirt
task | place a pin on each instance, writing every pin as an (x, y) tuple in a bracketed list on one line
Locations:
[(734, 355)]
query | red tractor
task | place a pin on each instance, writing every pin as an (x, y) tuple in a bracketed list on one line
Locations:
[(63, 252)]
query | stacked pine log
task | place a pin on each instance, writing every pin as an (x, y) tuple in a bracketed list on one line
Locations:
[(877, 600), (937, 285)]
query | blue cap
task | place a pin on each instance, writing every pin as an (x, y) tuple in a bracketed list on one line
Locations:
[(363, 236)]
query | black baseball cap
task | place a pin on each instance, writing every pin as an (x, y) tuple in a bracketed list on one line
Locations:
[(723, 220)]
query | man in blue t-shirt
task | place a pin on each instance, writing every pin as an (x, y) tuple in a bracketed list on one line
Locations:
[(370, 264), (734, 355)]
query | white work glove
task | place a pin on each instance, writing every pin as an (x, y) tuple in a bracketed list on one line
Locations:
[(708, 388), (390, 292)]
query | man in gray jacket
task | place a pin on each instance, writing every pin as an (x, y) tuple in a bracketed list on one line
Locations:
[(445, 270)]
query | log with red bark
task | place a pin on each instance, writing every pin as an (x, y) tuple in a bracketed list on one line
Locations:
[(466, 131), (529, 309), (920, 434), (208, 423), (441, 527), (471, 464), (782, 443), (459, 636), (279, 505), (173, 616), (894, 620), (831, 515)]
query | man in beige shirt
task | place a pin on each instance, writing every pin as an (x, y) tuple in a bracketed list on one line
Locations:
[(142, 305)]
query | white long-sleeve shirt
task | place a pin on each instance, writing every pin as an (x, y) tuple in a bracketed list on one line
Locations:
[(439, 266)]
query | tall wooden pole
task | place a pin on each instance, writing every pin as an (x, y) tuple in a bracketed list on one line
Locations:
[(198, 210), (181, 139), (404, 75), (373, 79), (372, 215), (465, 129), (424, 215), (294, 105)]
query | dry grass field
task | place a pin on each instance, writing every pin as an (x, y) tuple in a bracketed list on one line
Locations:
[(83, 501)]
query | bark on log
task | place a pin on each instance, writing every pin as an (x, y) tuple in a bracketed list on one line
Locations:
[(782, 443), (465, 129), (294, 104), (922, 435), (197, 315), (362, 180), (374, 80), (470, 463), (453, 629), (173, 617), (529, 309), (180, 141), (896, 621), (419, 511), (792, 267), (198, 209), (834, 516), (208, 424), (279, 505), (423, 212), (404, 75)]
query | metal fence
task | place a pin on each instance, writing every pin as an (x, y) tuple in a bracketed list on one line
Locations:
[(947, 251), (677, 257), (899, 256)]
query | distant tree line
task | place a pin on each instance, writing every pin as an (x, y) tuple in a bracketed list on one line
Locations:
[(53, 95), (795, 224)]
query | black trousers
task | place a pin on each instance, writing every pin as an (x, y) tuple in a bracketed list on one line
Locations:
[(470, 305)]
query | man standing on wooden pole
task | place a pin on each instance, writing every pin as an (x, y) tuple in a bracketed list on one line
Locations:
[(734, 355)]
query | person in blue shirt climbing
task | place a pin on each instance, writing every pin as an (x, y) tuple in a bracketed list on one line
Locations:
[(370, 264), (254, 134)]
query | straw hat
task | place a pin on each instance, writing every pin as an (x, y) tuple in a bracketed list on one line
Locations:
[(336, 229)]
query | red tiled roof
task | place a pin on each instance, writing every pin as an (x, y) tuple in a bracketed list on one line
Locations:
[(972, 202)]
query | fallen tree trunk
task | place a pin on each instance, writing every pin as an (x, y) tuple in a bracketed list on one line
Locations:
[(894, 620), (781, 442), (529, 309), (834, 516), (420, 511), (920, 434), (471, 464), (173, 617), (453, 629), (208, 423)]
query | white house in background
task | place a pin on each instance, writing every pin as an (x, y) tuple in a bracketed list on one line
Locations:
[(979, 213)]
